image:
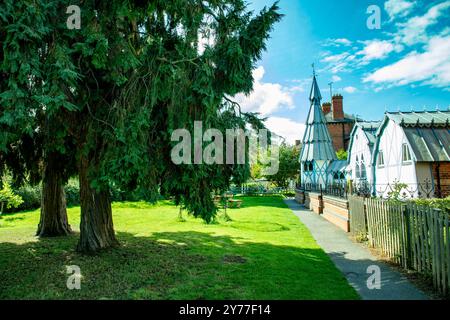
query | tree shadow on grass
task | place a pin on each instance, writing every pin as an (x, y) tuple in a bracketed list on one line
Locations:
[(170, 265), (11, 219)]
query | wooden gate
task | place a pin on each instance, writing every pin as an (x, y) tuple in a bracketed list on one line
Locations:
[(358, 223)]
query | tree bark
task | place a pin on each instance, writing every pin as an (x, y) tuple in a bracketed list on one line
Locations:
[(53, 221), (96, 226)]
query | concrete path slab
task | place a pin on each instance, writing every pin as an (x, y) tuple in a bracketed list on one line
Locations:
[(352, 259)]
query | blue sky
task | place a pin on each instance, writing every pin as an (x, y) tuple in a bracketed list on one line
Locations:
[(405, 65)]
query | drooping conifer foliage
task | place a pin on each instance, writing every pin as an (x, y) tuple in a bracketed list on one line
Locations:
[(106, 98), (34, 144)]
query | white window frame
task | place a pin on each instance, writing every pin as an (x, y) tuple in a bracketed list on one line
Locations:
[(380, 157), (405, 147), (357, 170)]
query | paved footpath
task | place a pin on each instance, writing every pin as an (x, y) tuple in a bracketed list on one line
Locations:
[(352, 259)]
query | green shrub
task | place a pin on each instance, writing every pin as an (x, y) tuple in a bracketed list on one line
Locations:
[(442, 204), (72, 190), (31, 196), (255, 189), (8, 198)]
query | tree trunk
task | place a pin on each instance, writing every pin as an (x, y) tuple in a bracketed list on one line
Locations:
[(53, 221), (96, 226)]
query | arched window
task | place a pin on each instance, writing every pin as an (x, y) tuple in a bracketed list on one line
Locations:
[(308, 166), (358, 172), (363, 168), (380, 158), (363, 171)]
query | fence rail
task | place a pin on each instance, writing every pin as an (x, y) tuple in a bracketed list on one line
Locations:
[(336, 189), (261, 187), (363, 188), (424, 189), (415, 237)]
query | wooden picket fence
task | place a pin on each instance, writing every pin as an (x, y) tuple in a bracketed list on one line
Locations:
[(415, 237), (358, 218)]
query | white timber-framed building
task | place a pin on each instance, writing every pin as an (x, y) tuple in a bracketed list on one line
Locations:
[(412, 149), (360, 151)]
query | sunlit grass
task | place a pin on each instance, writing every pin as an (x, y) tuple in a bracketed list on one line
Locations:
[(263, 253)]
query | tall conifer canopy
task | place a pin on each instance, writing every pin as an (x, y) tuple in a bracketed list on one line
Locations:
[(116, 89)]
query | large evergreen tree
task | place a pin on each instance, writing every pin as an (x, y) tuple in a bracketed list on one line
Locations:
[(32, 141), (117, 88)]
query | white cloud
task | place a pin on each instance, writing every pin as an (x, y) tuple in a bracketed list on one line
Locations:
[(300, 85), (399, 8), (415, 29), (338, 62), (377, 49), (350, 89), (343, 41), (286, 128), (266, 98), (298, 88), (336, 78), (336, 57), (422, 36), (337, 42), (431, 66)]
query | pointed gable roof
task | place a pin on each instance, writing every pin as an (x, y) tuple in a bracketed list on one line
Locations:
[(427, 132), (316, 141), (315, 95)]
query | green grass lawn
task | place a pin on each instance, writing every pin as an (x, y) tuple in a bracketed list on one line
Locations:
[(264, 253)]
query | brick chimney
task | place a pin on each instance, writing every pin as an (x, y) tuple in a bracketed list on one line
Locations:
[(326, 108), (338, 108)]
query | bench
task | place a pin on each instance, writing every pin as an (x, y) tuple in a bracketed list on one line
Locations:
[(230, 202), (233, 203)]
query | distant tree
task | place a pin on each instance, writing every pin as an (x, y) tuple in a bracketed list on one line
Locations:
[(256, 171), (289, 166), (341, 154), (8, 199)]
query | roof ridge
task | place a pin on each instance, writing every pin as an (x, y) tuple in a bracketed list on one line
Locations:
[(418, 112)]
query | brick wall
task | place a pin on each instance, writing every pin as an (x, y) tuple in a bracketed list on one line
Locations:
[(337, 212), (299, 196), (340, 134), (313, 201), (444, 174), (333, 209)]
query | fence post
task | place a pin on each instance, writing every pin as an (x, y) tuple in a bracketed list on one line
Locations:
[(406, 236)]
